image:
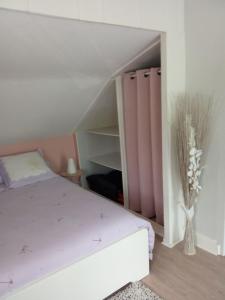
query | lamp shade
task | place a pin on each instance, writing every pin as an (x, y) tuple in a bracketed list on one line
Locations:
[(71, 166)]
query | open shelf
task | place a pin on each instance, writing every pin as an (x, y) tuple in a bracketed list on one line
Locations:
[(110, 131), (110, 160)]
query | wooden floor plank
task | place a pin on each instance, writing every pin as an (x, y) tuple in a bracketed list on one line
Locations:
[(175, 276)]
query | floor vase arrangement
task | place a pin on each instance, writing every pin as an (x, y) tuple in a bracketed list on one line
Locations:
[(189, 235), (192, 131)]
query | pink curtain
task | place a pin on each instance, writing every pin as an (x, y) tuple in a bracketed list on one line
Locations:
[(143, 135)]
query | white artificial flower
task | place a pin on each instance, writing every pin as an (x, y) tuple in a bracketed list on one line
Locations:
[(194, 171), (193, 151), (190, 173)]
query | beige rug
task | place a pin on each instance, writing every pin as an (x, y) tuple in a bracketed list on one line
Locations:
[(135, 291)]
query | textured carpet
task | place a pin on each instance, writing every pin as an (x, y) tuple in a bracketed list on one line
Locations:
[(135, 291)]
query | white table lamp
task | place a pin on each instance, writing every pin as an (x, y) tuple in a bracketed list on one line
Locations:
[(71, 166)]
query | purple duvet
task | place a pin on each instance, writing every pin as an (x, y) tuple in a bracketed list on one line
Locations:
[(49, 225)]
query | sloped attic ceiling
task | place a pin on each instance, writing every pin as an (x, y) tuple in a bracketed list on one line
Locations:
[(51, 69)]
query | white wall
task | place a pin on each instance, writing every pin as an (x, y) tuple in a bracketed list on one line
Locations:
[(205, 73), (51, 69), (166, 16)]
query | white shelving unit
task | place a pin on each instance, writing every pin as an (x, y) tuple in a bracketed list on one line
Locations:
[(100, 135), (100, 141), (110, 160), (109, 131)]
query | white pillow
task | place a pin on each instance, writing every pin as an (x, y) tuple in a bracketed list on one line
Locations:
[(21, 169)]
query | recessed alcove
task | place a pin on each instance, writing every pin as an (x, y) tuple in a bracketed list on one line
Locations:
[(62, 73)]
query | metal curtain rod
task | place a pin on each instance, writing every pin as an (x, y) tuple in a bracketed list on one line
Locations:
[(146, 74)]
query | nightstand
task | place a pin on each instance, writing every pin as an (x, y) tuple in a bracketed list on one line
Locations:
[(75, 178)]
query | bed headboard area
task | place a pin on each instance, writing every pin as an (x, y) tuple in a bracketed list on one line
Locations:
[(55, 150)]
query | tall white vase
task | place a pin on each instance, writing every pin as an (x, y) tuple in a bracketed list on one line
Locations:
[(189, 236)]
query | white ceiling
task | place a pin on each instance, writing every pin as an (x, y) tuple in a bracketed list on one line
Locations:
[(51, 69)]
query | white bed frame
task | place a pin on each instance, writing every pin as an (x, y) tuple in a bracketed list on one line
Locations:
[(95, 277)]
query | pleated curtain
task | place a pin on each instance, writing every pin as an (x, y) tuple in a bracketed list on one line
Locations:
[(143, 139)]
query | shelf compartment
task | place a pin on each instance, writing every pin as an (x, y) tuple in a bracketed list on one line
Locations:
[(110, 160), (109, 131)]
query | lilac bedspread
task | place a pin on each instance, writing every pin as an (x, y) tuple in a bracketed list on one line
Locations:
[(52, 224)]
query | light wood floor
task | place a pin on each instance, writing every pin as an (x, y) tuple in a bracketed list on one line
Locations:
[(175, 276)]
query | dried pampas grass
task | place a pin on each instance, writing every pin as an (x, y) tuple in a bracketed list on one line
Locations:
[(192, 123), (191, 111)]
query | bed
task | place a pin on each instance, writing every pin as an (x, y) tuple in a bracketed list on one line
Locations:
[(60, 241)]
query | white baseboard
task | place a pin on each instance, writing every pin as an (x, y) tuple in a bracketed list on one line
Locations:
[(207, 244), (202, 242), (170, 245)]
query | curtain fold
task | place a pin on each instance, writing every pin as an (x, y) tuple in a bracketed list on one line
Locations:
[(143, 138), (130, 117), (144, 145), (156, 134)]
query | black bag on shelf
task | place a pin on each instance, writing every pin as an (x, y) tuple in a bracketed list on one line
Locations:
[(107, 185)]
